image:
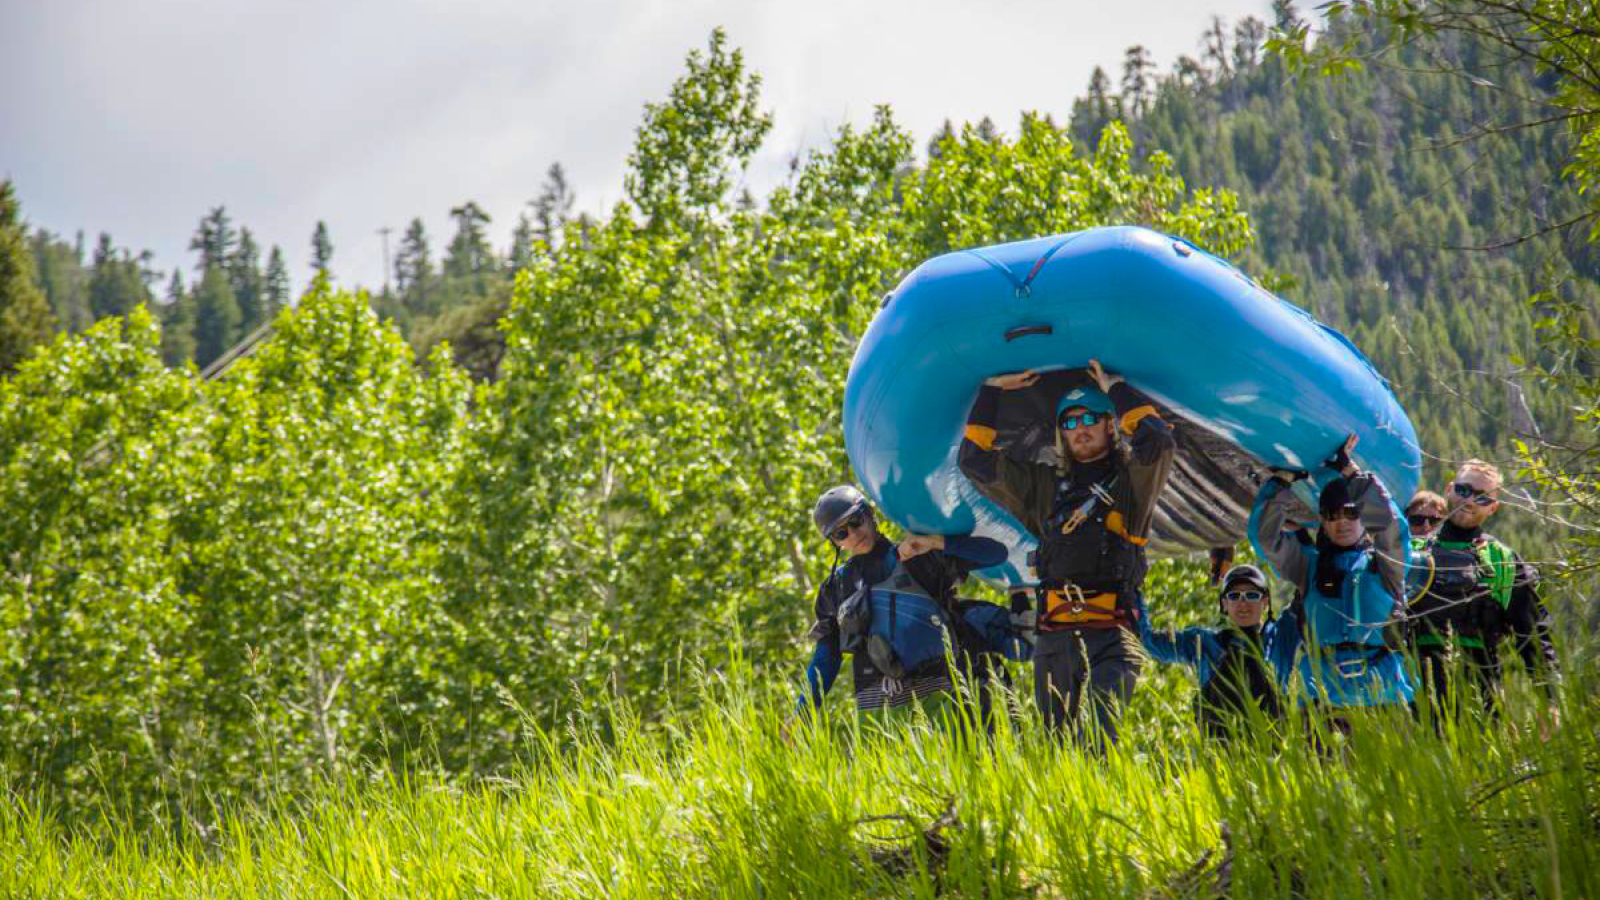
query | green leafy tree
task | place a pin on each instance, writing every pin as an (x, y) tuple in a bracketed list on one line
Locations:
[(679, 168), (25, 318), (96, 444)]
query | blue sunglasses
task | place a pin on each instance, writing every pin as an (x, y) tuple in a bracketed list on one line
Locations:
[(1070, 423)]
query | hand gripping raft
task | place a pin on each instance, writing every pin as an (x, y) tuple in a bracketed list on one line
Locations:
[(1247, 381)]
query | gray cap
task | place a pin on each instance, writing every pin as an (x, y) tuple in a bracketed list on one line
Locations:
[(1247, 574)]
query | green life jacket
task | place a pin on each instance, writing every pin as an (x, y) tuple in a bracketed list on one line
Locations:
[(1455, 572), (1497, 565)]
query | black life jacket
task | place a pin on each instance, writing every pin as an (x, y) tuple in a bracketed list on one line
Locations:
[(1088, 566), (1460, 593), (1241, 677)]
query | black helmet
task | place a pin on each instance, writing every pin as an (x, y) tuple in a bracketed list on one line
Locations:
[(835, 505)]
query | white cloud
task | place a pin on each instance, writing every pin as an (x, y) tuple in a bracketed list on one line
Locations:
[(135, 118)]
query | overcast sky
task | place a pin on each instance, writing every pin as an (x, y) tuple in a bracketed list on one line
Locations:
[(137, 116)]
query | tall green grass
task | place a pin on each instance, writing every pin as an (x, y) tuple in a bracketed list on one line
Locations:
[(719, 804)]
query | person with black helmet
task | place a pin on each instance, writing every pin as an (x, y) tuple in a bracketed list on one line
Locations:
[(892, 607), (1243, 665), (1091, 514), (1351, 578)]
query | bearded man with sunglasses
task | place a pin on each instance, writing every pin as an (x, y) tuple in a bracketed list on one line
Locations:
[(1351, 580), (1475, 592), (1091, 515), (882, 586)]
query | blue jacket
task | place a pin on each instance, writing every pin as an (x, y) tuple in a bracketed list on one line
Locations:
[(1346, 661), (1201, 647)]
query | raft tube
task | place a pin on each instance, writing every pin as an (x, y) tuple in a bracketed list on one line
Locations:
[(1247, 380)]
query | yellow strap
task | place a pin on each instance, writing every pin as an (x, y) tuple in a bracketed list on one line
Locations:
[(982, 435), (1062, 608), (1135, 416), (1115, 525)]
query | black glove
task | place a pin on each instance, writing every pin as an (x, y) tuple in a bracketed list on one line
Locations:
[(1339, 461)]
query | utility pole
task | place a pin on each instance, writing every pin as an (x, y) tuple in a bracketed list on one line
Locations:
[(384, 232)]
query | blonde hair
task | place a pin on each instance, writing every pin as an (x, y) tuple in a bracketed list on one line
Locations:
[(1426, 498), (1488, 469)]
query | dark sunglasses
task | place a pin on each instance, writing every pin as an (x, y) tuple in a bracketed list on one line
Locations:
[(1468, 492), (1348, 513), (843, 530), (1418, 520), (1069, 423), (1249, 596)]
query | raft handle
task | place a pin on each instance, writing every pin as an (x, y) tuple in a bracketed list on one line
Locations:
[(1022, 331)]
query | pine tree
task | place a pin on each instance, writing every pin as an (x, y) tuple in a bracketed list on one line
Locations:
[(1215, 42), (1285, 18), (413, 268), (1248, 36), (321, 249), (523, 251), (413, 264), (117, 281), (216, 325), (1092, 113), (946, 132), (177, 323), (244, 277), (1189, 73), (25, 318), (553, 207), (275, 291), (214, 239), (1137, 84), (469, 252), (63, 278)]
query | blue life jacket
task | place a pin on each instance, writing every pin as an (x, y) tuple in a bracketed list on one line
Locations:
[(903, 630), (1346, 661), (1358, 615)]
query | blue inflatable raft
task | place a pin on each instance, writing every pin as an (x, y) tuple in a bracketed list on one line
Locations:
[(1247, 380)]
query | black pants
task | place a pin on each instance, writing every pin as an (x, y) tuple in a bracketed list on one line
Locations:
[(1480, 663), (1098, 662)]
